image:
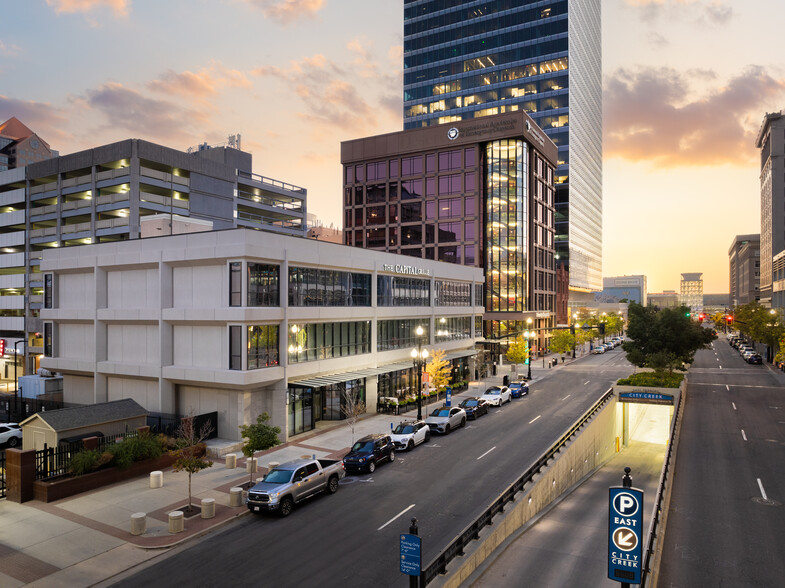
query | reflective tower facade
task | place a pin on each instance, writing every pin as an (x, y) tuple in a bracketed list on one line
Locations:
[(466, 59)]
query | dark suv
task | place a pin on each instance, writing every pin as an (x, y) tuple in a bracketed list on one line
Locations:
[(369, 451)]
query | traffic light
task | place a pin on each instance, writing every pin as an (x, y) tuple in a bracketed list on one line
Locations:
[(729, 318), (687, 314)]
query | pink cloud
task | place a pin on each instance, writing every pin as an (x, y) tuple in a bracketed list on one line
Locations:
[(199, 85), (650, 115), (8, 50), (287, 12), (47, 121), (705, 11), (119, 7)]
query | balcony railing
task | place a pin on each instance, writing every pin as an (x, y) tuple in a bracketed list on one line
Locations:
[(164, 200), (271, 182), (164, 177), (112, 198), (112, 173), (47, 232), (75, 228), (78, 181), (111, 223), (43, 188), (291, 206), (77, 204)]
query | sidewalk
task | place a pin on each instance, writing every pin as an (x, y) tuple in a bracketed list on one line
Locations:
[(84, 539)]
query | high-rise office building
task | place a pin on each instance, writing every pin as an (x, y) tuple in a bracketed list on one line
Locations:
[(771, 142), (744, 262), (691, 291), (466, 59), (627, 288)]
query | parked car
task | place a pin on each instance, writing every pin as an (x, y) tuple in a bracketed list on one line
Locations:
[(755, 358), (285, 485), (366, 453), (474, 407), (518, 389), (598, 349), (497, 396), (10, 434), (408, 434), (445, 418)]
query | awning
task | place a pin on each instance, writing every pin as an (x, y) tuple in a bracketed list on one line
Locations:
[(330, 379)]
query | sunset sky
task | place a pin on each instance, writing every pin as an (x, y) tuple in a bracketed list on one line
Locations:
[(686, 85)]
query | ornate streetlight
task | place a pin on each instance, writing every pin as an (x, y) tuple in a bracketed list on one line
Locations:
[(419, 357)]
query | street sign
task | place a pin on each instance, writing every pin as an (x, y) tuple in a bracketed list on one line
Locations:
[(625, 534), (411, 548), (448, 394)]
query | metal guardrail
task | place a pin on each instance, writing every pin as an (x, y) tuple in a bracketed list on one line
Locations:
[(656, 510), (472, 532)]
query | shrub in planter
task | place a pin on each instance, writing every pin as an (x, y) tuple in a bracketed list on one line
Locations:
[(84, 462), (135, 449)]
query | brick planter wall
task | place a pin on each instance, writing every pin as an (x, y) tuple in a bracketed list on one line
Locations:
[(65, 487)]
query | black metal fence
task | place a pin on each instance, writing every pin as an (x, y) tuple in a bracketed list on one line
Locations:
[(51, 462), (15, 409), (169, 423), (472, 532)]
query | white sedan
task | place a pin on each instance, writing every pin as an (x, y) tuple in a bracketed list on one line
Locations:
[(10, 434), (497, 396), (408, 434), (446, 418)]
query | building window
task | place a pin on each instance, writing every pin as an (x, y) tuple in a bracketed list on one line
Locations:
[(314, 341), (263, 285), (236, 283), (262, 346), (449, 293), (400, 334), (315, 287), (49, 339), (402, 291), (235, 347), (48, 290), (453, 328)]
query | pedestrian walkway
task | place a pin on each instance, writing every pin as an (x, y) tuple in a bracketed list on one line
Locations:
[(84, 539)]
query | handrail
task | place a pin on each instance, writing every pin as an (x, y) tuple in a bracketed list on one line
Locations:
[(455, 548), (656, 509)]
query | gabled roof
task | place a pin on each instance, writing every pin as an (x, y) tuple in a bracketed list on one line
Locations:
[(15, 129), (65, 419)]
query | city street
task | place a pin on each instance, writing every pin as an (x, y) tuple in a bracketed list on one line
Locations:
[(726, 523), (351, 538)]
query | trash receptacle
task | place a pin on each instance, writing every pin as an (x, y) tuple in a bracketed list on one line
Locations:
[(506, 380), (493, 372)]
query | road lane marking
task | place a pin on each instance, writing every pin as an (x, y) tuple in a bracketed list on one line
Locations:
[(405, 510), (727, 387), (734, 405), (566, 397), (534, 419), (487, 452), (743, 435), (762, 491), (586, 382)]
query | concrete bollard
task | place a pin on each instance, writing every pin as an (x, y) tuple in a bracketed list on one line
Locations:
[(236, 496), (231, 461), (251, 465), (176, 521), (156, 479), (208, 508), (138, 523), (272, 465)]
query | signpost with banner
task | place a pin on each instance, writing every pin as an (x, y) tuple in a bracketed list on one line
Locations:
[(625, 532), (411, 554)]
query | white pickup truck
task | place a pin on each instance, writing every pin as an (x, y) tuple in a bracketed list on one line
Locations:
[(293, 481)]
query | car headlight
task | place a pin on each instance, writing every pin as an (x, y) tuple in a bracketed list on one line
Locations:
[(362, 459), (273, 495)]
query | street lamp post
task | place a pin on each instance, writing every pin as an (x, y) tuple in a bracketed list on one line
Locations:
[(529, 335), (419, 356), (574, 320), (16, 362)]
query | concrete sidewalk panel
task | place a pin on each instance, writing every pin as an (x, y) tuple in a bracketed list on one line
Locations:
[(73, 547), (38, 528)]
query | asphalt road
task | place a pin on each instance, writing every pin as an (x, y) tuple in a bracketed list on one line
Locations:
[(351, 538), (721, 531)]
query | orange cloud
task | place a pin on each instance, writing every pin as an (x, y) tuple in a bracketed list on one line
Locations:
[(288, 11), (199, 85), (8, 50), (46, 120), (651, 116), (119, 7), (711, 11)]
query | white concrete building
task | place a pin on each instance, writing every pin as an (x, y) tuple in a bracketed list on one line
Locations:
[(243, 322), (691, 291)]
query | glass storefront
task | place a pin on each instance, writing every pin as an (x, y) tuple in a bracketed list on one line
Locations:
[(308, 405)]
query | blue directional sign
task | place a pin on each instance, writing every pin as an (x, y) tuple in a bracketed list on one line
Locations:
[(625, 534), (411, 549), (448, 400)]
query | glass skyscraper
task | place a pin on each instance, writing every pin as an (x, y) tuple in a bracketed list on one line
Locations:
[(466, 59)]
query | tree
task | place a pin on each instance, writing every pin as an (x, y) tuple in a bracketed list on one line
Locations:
[(613, 324), (190, 450), (518, 351), (482, 362), (583, 336), (260, 436), (438, 369), (670, 331), (760, 324), (352, 407), (562, 341)]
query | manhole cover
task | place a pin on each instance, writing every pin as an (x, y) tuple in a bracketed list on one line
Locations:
[(766, 501)]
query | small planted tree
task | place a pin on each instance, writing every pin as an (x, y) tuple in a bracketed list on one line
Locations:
[(352, 407), (518, 351), (438, 369), (259, 436), (190, 450), (562, 341)]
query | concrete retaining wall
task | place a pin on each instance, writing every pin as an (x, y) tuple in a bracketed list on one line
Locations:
[(594, 446)]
